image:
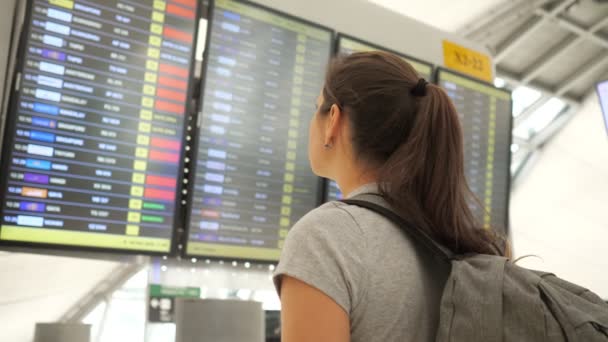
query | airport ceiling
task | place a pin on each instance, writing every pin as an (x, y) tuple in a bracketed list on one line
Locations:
[(557, 46), (550, 52)]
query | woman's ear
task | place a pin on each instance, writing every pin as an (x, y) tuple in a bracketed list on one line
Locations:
[(332, 129)]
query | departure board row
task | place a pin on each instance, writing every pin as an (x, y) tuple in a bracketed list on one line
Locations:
[(253, 181), (486, 117), (93, 147), (348, 45)]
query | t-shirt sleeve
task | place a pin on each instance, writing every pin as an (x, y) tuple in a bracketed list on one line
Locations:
[(325, 250)]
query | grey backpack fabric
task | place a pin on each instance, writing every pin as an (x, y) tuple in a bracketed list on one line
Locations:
[(489, 298)]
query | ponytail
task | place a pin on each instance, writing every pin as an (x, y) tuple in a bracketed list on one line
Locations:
[(424, 178), (414, 138)]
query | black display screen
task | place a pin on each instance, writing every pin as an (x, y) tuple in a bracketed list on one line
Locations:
[(94, 142), (486, 117), (348, 45), (252, 177)]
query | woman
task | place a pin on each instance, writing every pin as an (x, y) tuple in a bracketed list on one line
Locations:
[(346, 273)]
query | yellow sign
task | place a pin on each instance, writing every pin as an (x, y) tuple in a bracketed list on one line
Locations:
[(467, 61)]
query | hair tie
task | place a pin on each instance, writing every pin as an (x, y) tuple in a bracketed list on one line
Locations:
[(420, 88)]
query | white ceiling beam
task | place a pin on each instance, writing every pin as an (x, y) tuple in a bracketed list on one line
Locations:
[(515, 38), (530, 27), (522, 143), (604, 76), (554, 127), (549, 57), (489, 19), (568, 44), (503, 19), (585, 71), (588, 69), (587, 34), (531, 109), (104, 289), (515, 81)]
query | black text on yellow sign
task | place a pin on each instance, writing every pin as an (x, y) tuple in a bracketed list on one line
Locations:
[(467, 61)]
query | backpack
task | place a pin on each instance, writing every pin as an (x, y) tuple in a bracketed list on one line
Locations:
[(488, 298)]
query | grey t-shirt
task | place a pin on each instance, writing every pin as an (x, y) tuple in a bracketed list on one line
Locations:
[(390, 287)]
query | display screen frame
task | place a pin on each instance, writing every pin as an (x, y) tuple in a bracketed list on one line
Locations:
[(197, 129), (603, 100), (378, 47), (9, 135), (437, 78)]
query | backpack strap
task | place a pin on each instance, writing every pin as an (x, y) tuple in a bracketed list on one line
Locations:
[(377, 204)]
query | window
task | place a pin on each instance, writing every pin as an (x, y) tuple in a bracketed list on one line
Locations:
[(541, 118), (122, 318), (94, 318), (499, 82), (524, 97), (519, 160)]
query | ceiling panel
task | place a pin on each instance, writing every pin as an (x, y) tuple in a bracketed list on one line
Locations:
[(569, 62), (587, 84), (586, 12), (534, 46), (603, 33), (496, 35)]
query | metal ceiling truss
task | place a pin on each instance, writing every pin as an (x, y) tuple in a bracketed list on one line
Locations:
[(541, 138), (542, 16), (594, 66), (529, 28), (581, 35), (494, 16), (578, 35), (549, 57), (104, 289), (530, 16), (587, 34), (529, 148), (498, 18)]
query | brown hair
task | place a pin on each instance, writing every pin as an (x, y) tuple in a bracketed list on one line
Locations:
[(415, 144)]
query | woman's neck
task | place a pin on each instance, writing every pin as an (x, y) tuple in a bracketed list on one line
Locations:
[(351, 182)]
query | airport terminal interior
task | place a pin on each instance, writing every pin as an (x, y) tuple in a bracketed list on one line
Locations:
[(155, 152)]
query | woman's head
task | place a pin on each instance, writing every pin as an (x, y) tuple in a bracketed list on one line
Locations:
[(369, 115), (362, 91)]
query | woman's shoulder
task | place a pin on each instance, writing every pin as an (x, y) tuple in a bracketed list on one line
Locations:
[(331, 217)]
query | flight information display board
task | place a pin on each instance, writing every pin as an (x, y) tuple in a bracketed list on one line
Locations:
[(93, 148), (252, 179), (602, 93), (486, 117), (348, 45)]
